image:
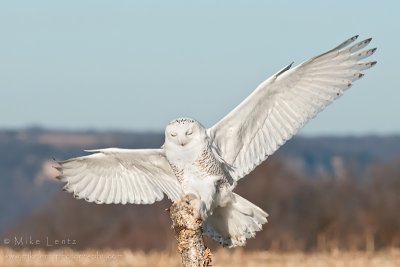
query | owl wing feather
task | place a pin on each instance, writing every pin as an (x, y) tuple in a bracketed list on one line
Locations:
[(112, 175), (282, 104)]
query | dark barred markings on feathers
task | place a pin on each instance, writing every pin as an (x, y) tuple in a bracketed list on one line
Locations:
[(208, 163), (177, 171), (182, 121)]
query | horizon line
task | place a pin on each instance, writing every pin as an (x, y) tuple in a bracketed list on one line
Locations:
[(41, 128)]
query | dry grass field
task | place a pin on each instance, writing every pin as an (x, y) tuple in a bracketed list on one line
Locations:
[(8, 257)]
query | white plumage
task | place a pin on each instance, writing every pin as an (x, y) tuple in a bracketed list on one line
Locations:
[(112, 175), (207, 163)]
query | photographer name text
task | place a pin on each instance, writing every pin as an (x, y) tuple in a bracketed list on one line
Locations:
[(23, 241)]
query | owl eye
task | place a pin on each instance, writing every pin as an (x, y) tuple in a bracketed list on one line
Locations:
[(189, 132), (173, 134)]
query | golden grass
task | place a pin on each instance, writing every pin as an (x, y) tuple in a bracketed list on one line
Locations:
[(223, 257)]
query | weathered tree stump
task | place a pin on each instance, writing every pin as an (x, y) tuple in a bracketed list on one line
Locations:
[(187, 226)]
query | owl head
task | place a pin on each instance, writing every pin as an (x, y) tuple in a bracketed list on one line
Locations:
[(184, 132)]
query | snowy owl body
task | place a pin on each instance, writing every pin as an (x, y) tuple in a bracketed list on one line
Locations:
[(206, 164), (203, 175), (189, 152)]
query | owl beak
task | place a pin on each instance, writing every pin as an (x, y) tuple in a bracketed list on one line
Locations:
[(182, 142)]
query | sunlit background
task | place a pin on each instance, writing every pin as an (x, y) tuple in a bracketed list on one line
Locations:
[(78, 75)]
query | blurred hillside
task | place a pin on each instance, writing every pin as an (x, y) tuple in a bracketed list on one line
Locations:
[(321, 193)]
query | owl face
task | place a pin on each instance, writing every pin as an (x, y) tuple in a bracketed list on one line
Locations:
[(184, 132)]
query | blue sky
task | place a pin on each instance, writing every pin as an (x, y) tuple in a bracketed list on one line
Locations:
[(133, 65)]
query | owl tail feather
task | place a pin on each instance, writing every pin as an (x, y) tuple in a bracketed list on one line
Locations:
[(233, 224)]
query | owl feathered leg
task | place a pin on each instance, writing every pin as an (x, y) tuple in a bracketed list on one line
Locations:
[(237, 221)]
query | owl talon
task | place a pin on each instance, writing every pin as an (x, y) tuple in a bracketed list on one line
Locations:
[(198, 206), (190, 197)]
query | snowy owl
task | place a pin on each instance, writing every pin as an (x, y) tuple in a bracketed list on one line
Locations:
[(206, 164)]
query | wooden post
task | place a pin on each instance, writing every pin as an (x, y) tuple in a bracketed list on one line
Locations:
[(187, 226)]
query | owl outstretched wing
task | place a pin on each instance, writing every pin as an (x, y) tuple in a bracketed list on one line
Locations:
[(112, 175), (282, 104)]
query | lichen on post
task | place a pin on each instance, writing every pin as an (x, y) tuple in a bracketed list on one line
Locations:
[(187, 226)]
